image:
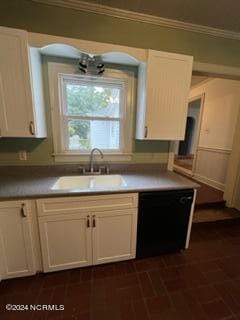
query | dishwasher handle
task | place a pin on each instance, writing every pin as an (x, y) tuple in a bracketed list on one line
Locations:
[(184, 200)]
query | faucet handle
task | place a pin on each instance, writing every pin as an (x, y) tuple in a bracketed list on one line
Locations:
[(102, 169), (82, 170)]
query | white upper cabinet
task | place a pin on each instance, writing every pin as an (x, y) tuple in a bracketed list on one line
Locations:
[(21, 107), (163, 89)]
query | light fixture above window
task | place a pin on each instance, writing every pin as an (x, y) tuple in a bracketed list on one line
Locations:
[(92, 64)]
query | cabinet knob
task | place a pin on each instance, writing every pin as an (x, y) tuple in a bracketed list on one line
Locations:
[(31, 128), (23, 211), (145, 131)]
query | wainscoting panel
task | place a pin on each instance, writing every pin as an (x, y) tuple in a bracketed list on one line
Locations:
[(211, 166)]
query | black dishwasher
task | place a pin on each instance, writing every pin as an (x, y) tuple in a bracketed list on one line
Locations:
[(163, 221)]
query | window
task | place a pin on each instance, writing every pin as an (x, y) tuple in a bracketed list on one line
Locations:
[(91, 111)]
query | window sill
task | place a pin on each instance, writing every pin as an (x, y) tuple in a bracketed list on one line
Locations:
[(84, 157)]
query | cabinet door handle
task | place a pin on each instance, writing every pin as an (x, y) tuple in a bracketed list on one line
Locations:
[(23, 211), (184, 200), (94, 222), (31, 128), (145, 131), (88, 221)]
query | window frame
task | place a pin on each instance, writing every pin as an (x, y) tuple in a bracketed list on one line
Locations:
[(100, 81), (56, 72)]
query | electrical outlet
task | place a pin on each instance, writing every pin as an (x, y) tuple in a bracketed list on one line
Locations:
[(22, 155)]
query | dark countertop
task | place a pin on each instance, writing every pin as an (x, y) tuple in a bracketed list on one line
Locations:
[(24, 185)]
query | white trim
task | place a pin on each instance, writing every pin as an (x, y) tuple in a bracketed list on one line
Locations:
[(42, 41), (209, 182), (141, 17), (160, 158), (216, 150), (198, 85), (84, 158), (199, 125), (126, 77), (217, 70), (182, 170), (191, 220)]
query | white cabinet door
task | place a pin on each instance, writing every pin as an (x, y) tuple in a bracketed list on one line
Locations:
[(16, 114), (114, 235), (21, 94), (16, 248), (163, 91), (65, 241)]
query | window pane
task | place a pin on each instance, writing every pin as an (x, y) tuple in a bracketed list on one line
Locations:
[(92, 100), (85, 135)]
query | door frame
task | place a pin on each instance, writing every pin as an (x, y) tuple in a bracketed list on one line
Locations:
[(225, 72), (202, 98)]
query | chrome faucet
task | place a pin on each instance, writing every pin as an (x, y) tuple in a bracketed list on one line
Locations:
[(91, 159)]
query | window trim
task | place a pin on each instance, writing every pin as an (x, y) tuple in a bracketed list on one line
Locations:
[(63, 79), (127, 77)]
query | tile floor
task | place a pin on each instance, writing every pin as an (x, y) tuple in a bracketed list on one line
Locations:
[(201, 283)]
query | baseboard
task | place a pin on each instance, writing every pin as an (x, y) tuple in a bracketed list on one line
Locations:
[(209, 182)]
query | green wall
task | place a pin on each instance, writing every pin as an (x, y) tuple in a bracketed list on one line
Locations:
[(34, 17)]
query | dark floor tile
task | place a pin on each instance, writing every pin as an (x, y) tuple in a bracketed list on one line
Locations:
[(127, 311), (216, 310), (58, 296), (216, 276), (176, 259), (126, 280), (74, 276), (157, 282), (146, 284), (230, 295), (129, 294), (169, 273), (86, 274), (175, 284), (140, 310), (124, 267), (158, 305), (56, 279), (204, 294), (142, 265), (197, 311)]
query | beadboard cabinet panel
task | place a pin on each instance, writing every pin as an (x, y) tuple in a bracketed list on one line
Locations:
[(21, 108), (163, 90)]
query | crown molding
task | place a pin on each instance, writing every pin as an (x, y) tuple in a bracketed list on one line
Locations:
[(140, 17)]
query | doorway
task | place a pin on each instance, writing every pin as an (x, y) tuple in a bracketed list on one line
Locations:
[(185, 151), (209, 158)]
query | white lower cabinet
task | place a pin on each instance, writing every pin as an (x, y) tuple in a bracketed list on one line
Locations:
[(16, 245), (65, 241), (81, 231), (114, 235)]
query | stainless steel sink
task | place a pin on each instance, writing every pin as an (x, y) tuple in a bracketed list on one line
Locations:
[(89, 182)]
